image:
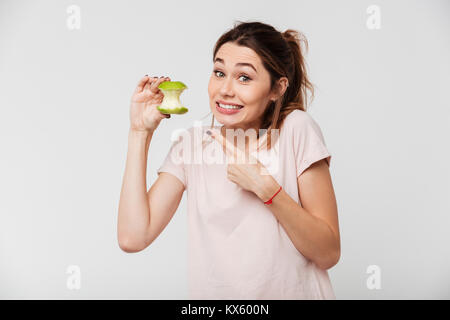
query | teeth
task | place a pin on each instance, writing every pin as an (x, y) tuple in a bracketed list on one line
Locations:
[(226, 106)]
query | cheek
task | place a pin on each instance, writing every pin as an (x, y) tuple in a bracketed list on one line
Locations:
[(252, 98), (209, 87), (213, 90)]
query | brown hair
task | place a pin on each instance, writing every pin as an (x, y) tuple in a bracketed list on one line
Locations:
[(282, 56)]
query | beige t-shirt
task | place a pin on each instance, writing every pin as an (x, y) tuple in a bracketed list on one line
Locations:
[(236, 247)]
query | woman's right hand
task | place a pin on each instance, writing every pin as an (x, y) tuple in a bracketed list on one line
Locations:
[(144, 116)]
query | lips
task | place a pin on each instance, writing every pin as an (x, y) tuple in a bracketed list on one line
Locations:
[(227, 111), (229, 103)]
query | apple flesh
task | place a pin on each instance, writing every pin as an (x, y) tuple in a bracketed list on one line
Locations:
[(171, 102)]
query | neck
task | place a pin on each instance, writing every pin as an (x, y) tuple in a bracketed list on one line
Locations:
[(223, 129), (254, 126)]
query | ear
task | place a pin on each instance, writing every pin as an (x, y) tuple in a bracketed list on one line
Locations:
[(280, 88)]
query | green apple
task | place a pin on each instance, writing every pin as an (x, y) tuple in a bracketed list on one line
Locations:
[(171, 101)]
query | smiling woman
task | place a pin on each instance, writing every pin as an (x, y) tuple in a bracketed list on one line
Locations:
[(261, 230)]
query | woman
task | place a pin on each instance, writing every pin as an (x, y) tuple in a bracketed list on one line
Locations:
[(252, 234)]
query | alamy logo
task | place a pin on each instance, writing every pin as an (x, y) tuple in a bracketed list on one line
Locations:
[(74, 19), (74, 279), (374, 280), (196, 147), (374, 20)]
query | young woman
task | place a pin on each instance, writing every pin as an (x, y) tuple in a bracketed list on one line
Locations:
[(253, 234)]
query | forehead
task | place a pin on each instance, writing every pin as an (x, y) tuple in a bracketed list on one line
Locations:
[(232, 53)]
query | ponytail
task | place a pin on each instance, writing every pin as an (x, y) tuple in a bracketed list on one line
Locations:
[(296, 94)]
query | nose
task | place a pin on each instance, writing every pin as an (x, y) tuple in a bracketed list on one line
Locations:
[(227, 87)]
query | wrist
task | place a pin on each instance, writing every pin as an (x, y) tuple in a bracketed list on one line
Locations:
[(139, 138), (140, 133), (269, 188)]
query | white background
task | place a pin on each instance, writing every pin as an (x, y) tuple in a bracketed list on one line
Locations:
[(381, 101)]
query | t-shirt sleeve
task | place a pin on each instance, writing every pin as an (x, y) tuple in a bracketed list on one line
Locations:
[(173, 163), (309, 143)]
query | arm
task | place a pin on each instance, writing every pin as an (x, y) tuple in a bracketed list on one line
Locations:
[(143, 215), (313, 227)]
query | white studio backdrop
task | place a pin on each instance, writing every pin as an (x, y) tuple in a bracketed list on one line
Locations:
[(68, 69)]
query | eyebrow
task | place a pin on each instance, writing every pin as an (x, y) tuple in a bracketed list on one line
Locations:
[(237, 64)]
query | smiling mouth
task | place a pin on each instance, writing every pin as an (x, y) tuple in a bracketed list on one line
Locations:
[(228, 107), (228, 111)]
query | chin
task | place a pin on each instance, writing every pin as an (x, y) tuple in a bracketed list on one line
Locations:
[(225, 120)]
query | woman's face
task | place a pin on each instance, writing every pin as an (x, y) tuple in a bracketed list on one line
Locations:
[(239, 77)]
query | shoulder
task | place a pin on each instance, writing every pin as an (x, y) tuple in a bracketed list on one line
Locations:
[(299, 121)]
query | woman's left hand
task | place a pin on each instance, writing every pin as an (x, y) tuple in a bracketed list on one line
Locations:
[(250, 175)]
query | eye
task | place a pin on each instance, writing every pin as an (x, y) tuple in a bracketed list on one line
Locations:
[(215, 72), (248, 79)]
